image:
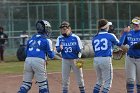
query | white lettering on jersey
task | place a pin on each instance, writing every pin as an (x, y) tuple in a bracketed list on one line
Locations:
[(35, 45), (68, 49), (69, 44), (133, 39), (30, 49), (98, 45), (39, 42), (132, 43)]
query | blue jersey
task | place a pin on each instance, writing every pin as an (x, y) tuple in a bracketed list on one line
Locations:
[(103, 43), (39, 46), (72, 45), (132, 38)]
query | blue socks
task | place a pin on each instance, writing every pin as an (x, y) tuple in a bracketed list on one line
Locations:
[(96, 88), (138, 88), (130, 88), (22, 90), (43, 90), (82, 89), (65, 91)]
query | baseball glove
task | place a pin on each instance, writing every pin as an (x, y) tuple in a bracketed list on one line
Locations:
[(137, 45), (118, 52), (79, 63)]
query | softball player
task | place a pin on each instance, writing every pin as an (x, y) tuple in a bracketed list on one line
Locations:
[(132, 65), (35, 64), (102, 45), (70, 46)]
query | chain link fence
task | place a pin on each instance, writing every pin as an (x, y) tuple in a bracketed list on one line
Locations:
[(19, 16)]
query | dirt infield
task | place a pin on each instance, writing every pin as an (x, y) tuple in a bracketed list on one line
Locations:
[(11, 83)]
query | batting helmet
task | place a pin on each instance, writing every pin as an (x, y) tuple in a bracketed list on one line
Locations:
[(43, 27)]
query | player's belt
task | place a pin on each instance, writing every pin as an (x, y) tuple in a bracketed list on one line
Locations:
[(134, 57)]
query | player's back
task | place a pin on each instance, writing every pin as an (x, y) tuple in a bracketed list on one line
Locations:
[(103, 43), (37, 46)]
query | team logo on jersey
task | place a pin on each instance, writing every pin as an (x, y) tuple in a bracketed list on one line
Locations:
[(69, 44), (133, 39)]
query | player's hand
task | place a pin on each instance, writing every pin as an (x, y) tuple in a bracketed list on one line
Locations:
[(61, 46), (54, 49), (126, 29)]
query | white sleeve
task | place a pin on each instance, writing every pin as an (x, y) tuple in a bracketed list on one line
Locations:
[(57, 42), (50, 44), (115, 38), (80, 46), (79, 43)]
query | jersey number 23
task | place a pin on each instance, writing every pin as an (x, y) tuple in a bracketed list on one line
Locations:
[(100, 44)]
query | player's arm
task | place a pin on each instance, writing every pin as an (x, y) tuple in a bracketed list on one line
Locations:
[(121, 40), (50, 51), (58, 45), (123, 36), (114, 40), (79, 47)]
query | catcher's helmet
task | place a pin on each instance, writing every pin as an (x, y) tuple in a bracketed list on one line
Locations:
[(43, 27)]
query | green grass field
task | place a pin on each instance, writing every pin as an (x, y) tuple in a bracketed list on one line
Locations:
[(13, 66)]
